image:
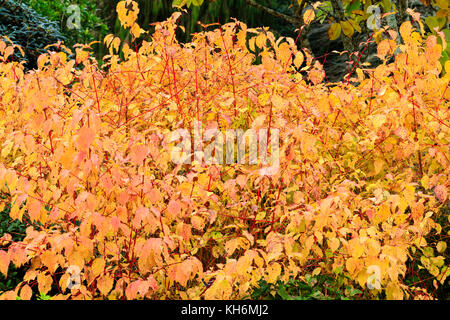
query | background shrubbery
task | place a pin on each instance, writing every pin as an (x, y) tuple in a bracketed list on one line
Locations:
[(92, 26), (28, 29)]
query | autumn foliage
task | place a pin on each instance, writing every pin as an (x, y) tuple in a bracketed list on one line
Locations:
[(85, 161)]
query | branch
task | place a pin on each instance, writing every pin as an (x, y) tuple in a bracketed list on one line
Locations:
[(274, 13)]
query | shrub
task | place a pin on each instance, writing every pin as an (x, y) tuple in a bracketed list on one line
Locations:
[(91, 25), (86, 158), (28, 29)]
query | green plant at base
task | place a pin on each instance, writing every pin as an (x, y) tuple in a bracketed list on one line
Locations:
[(320, 287)]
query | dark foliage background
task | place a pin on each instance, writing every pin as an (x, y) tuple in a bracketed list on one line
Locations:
[(27, 28)]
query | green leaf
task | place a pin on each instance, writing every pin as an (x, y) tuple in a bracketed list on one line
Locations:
[(352, 291), (216, 235), (353, 6), (386, 5), (283, 294), (178, 3), (435, 22), (44, 297)]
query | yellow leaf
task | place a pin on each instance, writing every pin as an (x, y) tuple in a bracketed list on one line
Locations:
[(221, 289), (378, 165), (352, 265), (284, 52), (383, 213), (378, 120), (334, 31), (98, 266), (308, 16), (408, 194), (441, 246), (443, 4), (75, 259), (400, 218), (260, 40), (273, 272), (263, 99), (347, 28), (108, 39), (7, 149), (197, 222), (136, 30), (437, 261), (279, 102), (105, 284), (447, 67), (355, 25), (394, 292), (16, 212), (424, 181), (357, 250), (333, 244), (127, 14), (115, 44), (406, 30), (252, 44), (316, 271), (298, 60), (234, 244), (402, 205)]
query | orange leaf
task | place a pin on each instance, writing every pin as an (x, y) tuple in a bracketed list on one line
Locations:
[(85, 138), (4, 262), (34, 209), (105, 284), (26, 292), (44, 283), (138, 154), (154, 196), (174, 208), (137, 287), (284, 53), (308, 16), (49, 259), (441, 192)]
